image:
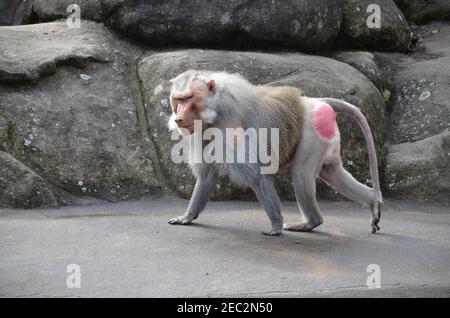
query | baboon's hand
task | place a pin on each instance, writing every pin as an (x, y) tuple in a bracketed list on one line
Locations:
[(183, 220)]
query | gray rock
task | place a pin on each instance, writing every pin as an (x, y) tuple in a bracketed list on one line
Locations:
[(419, 117), (422, 11), (50, 10), (53, 44), (14, 12), (20, 187), (420, 83), (82, 136), (420, 170), (317, 76), (363, 62), (301, 24), (393, 35), (109, 6)]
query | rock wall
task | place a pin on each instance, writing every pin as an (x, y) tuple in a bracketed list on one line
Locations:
[(418, 156), (83, 112)]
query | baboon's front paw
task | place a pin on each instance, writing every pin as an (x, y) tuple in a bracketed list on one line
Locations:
[(183, 220), (271, 233)]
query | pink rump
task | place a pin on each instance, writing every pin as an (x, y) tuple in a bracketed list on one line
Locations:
[(324, 120)]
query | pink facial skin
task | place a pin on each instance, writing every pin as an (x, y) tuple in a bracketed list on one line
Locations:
[(184, 107), (324, 121), (177, 98)]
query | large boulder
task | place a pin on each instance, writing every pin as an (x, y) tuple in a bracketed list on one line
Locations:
[(74, 47), (306, 25), (420, 170), (363, 62), (49, 10), (95, 10), (422, 11), (79, 129), (20, 187), (317, 76), (14, 12), (394, 33), (301, 24)]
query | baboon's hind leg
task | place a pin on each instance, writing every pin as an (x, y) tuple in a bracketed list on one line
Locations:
[(342, 181)]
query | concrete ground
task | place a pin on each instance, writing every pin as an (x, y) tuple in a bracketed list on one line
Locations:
[(128, 249)]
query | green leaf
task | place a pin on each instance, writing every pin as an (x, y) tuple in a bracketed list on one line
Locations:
[(386, 94)]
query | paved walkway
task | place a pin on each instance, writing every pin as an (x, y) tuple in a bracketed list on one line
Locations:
[(128, 249)]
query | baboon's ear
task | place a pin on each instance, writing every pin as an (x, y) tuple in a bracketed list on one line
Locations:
[(212, 85), (175, 79)]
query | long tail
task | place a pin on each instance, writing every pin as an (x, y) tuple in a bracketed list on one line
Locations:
[(344, 107)]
